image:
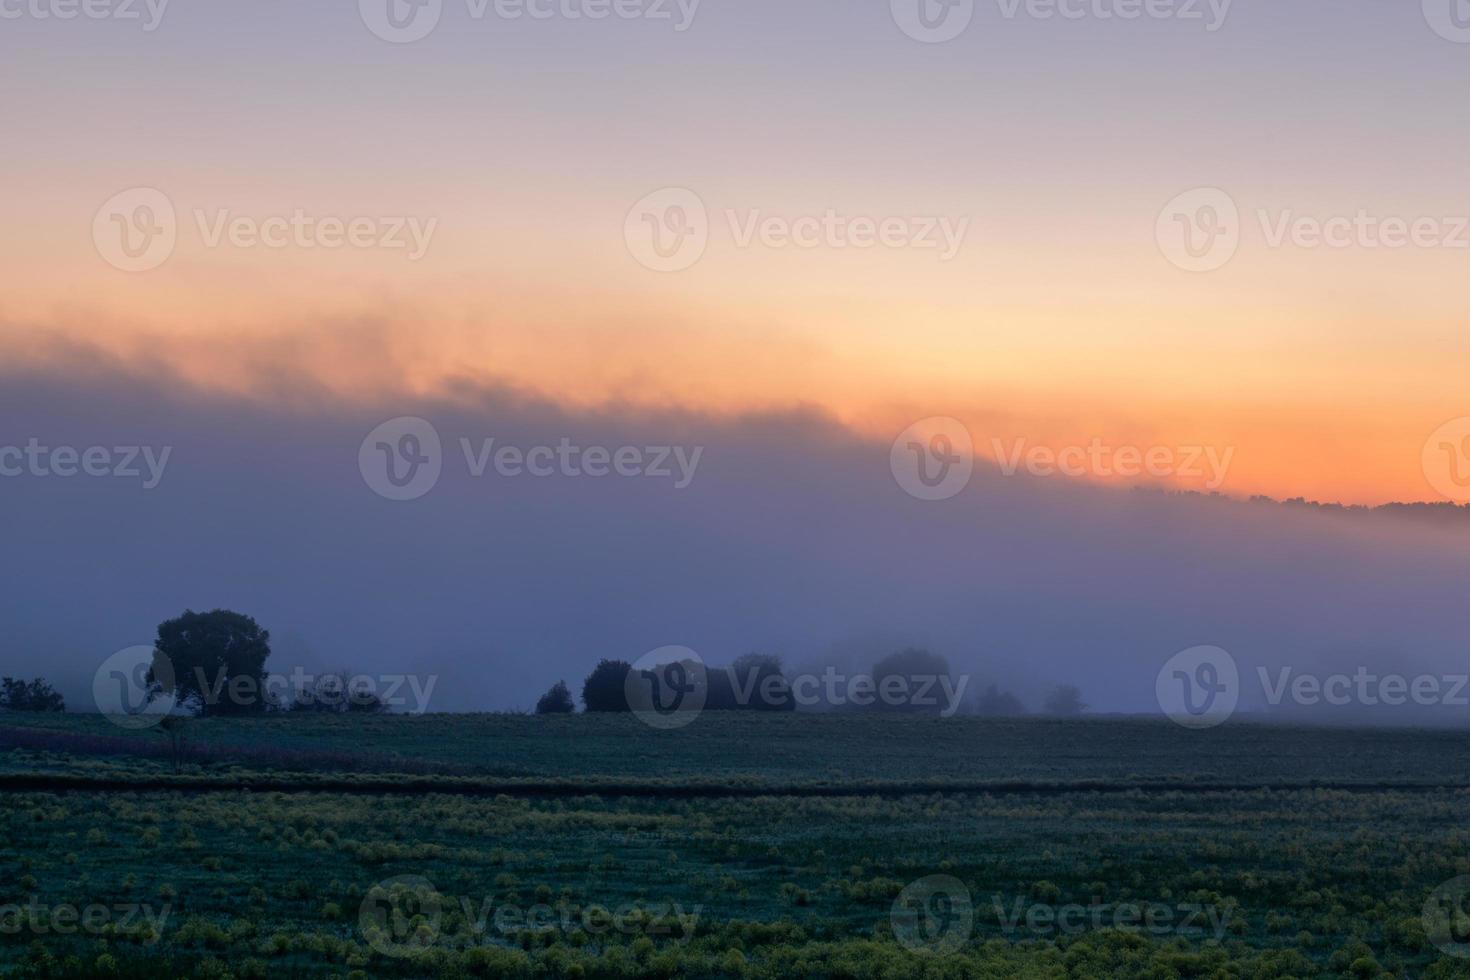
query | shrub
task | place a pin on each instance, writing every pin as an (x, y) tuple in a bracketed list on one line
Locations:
[(557, 701), (37, 695)]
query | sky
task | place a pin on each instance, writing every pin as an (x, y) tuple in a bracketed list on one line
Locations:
[(1080, 247), (1054, 142)]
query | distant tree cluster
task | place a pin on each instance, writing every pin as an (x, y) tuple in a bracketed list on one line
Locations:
[(36, 695), (913, 680), (995, 703), (217, 666), (334, 693), (1064, 701), (755, 682)]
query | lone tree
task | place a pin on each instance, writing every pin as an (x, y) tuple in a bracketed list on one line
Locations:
[(1064, 701), (557, 701), (218, 661), (604, 690), (37, 695)]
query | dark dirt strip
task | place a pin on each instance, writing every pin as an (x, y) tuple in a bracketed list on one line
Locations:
[(62, 783)]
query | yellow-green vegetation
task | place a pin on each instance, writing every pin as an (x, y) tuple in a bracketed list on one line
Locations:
[(1261, 883)]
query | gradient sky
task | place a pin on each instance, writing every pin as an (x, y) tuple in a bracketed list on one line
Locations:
[(529, 141)]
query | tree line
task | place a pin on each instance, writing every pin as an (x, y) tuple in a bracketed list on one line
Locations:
[(758, 682), (213, 663)]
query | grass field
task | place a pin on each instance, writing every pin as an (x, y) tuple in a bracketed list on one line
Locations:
[(1099, 849)]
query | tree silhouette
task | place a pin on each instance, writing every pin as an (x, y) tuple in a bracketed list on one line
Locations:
[(755, 682), (218, 661), (995, 703), (921, 671), (37, 695), (604, 690), (1064, 701), (557, 701)]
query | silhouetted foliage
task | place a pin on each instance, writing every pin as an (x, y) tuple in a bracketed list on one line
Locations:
[(921, 671), (604, 689), (36, 695), (334, 693), (1064, 701), (557, 701), (995, 703), (218, 661), (755, 682)]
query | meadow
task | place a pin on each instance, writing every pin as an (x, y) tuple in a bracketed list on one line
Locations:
[(857, 846)]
